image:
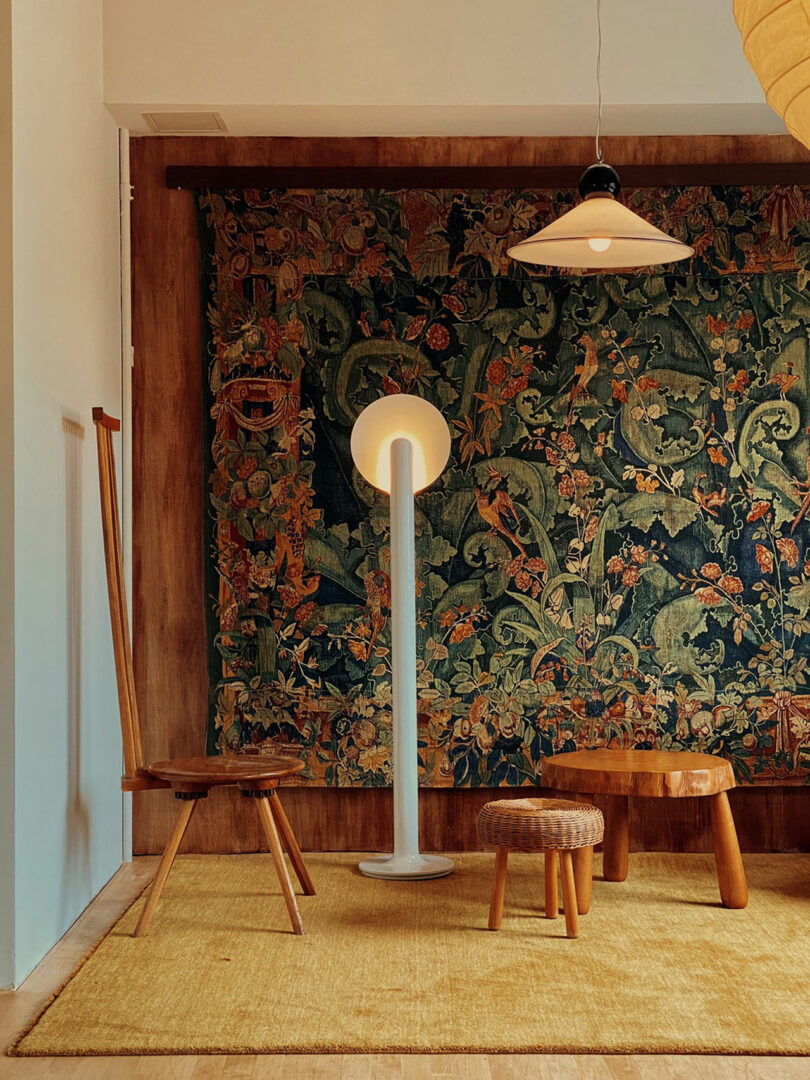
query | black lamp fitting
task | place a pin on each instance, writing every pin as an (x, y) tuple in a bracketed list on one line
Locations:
[(599, 179)]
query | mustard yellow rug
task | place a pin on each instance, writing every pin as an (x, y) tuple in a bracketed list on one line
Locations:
[(383, 966)]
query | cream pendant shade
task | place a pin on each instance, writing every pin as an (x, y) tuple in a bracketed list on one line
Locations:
[(600, 233), (776, 40)]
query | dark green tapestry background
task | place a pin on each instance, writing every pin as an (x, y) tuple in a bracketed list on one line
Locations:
[(616, 553)]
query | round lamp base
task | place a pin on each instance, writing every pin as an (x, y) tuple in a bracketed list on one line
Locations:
[(407, 867)]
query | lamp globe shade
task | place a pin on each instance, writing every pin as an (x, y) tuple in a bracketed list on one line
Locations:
[(400, 416)]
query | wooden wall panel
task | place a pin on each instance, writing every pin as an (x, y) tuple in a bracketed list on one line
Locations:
[(332, 819), (169, 602)]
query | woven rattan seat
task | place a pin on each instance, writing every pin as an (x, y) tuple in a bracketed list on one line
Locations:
[(551, 826), (540, 824)]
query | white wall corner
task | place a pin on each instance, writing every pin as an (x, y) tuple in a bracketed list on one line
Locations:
[(66, 359), (6, 511)]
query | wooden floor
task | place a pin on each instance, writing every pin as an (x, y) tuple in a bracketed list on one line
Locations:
[(18, 1007)]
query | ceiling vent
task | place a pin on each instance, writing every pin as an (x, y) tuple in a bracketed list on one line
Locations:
[(185, 123)]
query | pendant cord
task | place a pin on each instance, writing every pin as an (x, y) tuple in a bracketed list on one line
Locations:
[(599, 80)]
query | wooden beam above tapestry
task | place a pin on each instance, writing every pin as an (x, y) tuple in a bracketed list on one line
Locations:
[(479, 176)]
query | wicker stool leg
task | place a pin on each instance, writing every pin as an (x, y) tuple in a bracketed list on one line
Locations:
[(551, 884), (583, 877), (498, 889), (569, 892)]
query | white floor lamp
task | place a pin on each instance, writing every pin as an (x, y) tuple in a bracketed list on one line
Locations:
[(400, 444)]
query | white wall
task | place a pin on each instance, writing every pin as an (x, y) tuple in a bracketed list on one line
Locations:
[(66, 359), (6, 516), (433, 66)]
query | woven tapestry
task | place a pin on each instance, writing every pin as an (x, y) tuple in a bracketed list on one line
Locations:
[(617, 553)]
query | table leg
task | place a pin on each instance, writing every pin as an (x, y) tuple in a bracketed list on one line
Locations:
[(730, 872), (617, 838), (583, 877)]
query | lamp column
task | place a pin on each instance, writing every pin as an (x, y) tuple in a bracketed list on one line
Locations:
[(403, 652)]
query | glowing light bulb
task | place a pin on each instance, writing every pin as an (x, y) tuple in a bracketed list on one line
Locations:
[(599, 243), (418, 464)]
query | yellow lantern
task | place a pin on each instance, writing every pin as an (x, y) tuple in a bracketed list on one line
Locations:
[(776, 41)]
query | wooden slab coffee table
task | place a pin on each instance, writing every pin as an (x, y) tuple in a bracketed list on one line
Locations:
[(654, 774)]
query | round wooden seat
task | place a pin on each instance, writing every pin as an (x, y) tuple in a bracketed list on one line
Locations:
[(200, 773), (556, 827), (540, 824)]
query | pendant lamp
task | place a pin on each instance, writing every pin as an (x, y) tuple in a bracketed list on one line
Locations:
[(600, 233)]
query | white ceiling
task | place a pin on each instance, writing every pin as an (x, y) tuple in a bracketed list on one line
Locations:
[(433, 67)]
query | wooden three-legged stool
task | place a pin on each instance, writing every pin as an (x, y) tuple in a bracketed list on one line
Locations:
[(655, 774)]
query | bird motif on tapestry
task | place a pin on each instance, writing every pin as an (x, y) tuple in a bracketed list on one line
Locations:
[(496, 511)]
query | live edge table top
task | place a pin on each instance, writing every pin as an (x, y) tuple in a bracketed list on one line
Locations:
[(657, 774)]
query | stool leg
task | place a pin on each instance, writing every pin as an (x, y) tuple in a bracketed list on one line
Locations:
[(496, 907), (569, 891), (583, 877), (617, 839), (730, 872), (551, 884)]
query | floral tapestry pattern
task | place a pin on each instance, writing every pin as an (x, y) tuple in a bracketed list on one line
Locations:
[(618, 552)]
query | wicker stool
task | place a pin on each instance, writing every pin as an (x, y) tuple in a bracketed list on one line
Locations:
[(551, 826)]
